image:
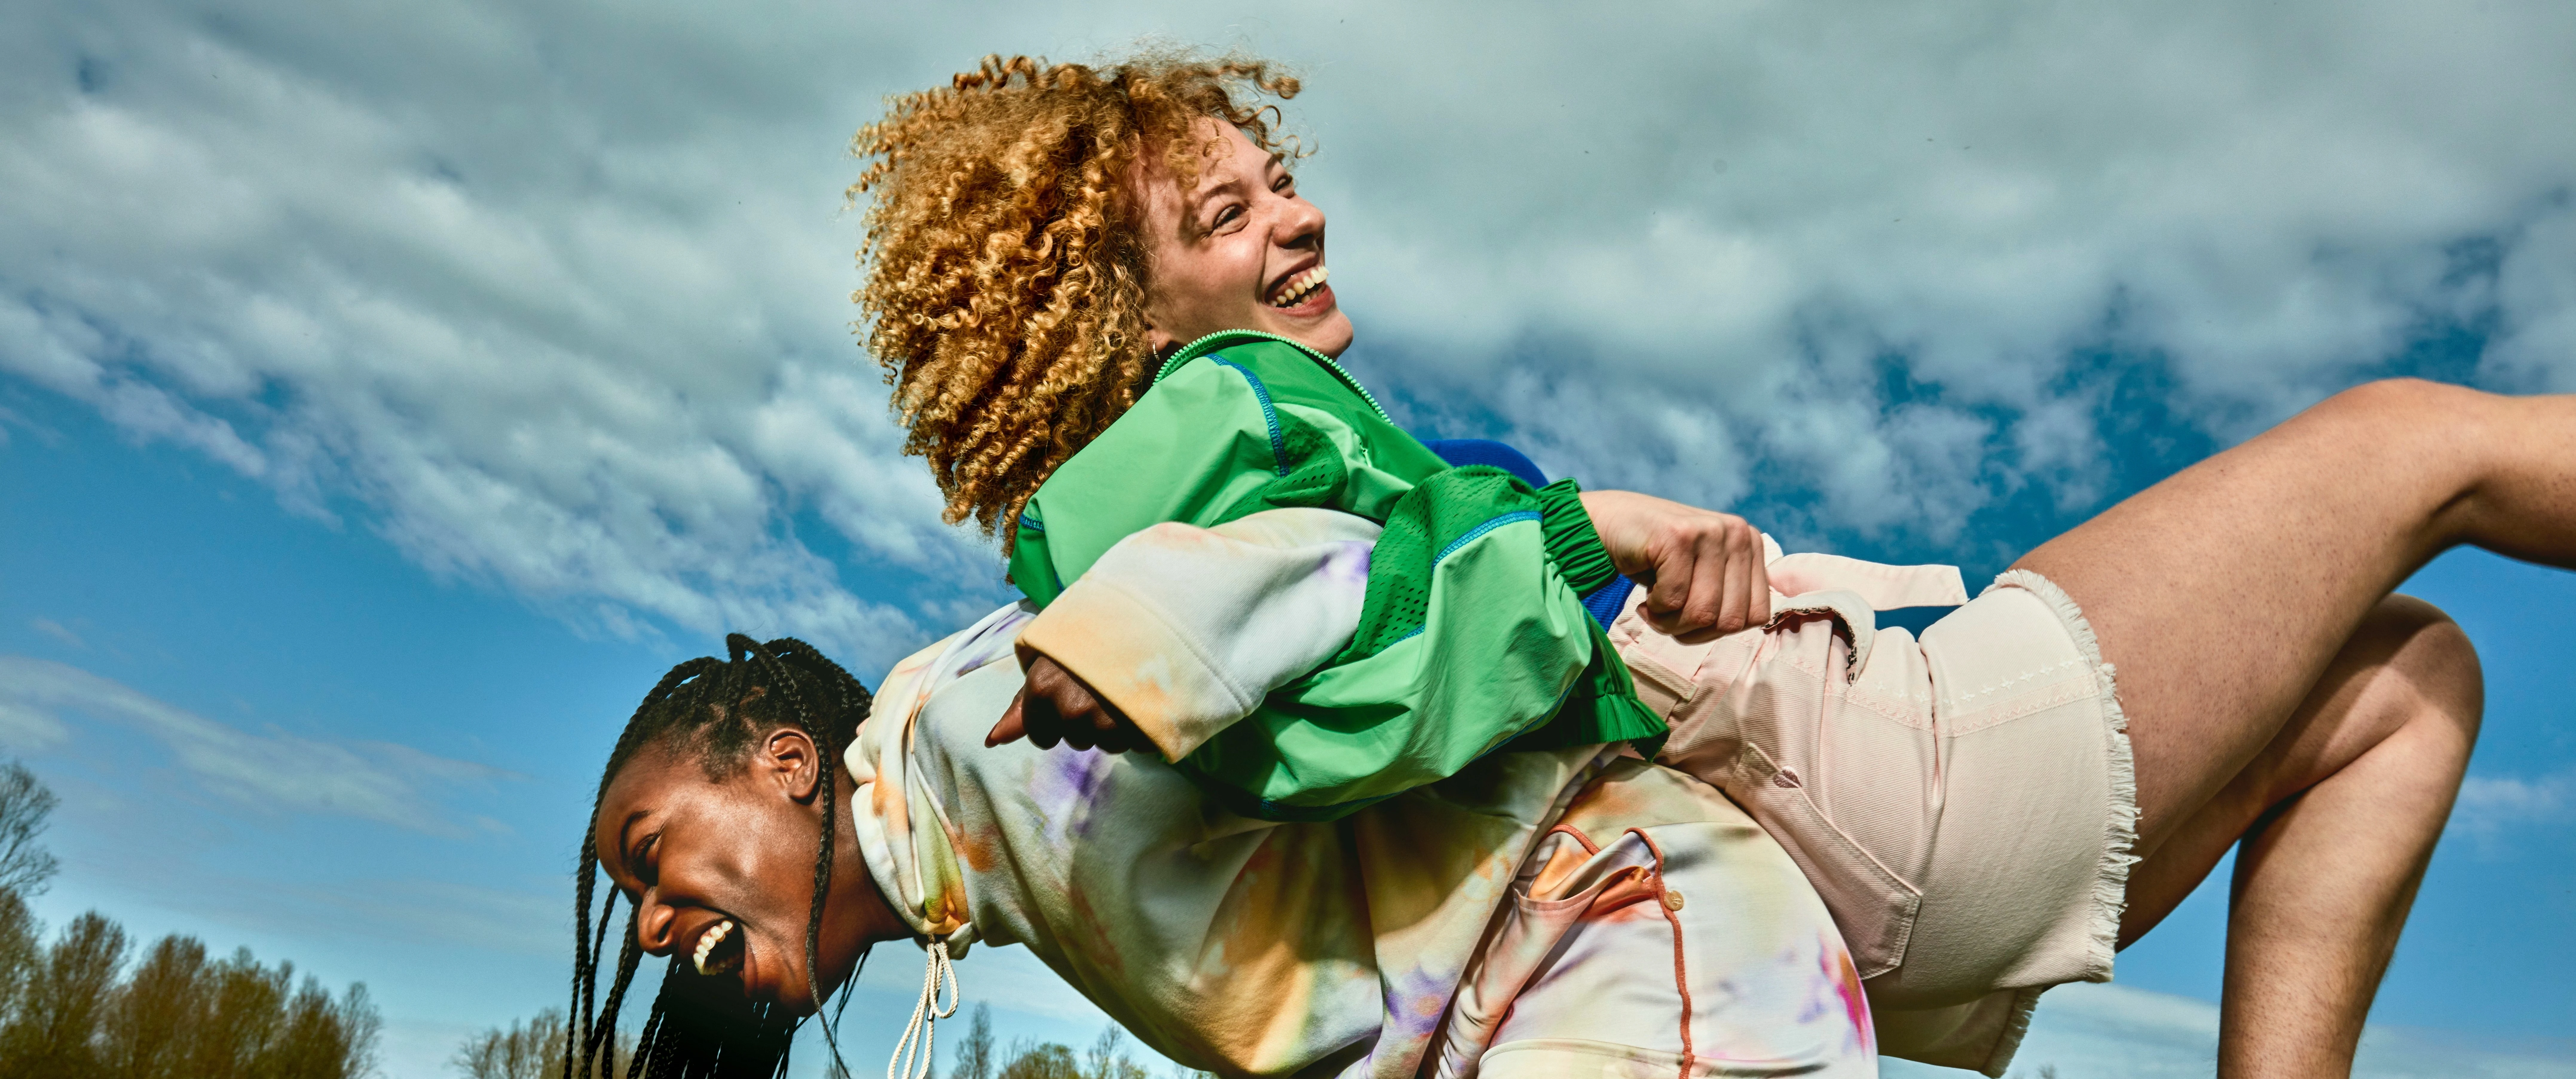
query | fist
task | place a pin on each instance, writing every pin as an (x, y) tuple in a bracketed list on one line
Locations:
[(1055, 706), (1702, 570)]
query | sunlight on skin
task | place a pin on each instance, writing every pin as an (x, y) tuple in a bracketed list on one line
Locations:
[(695, 853)]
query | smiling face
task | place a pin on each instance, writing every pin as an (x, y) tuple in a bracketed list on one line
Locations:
[(1239, 251), (722, 870)]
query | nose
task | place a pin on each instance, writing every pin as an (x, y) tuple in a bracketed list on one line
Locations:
[(1301, 226), (654, 922)]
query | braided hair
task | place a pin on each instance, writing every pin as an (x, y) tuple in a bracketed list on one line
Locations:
[(714, 710)]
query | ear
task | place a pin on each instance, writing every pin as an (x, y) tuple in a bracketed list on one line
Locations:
[(1162, 342), (789, 760)]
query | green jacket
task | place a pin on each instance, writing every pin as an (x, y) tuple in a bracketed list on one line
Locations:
[(1472, 636)]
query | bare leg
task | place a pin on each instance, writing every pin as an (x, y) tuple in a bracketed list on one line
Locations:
[(2339, 814), (2223, 594)]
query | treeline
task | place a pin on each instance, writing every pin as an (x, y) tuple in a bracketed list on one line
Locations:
[(978, 1058), (530, 1050), (73, 1008), (534, 1050)]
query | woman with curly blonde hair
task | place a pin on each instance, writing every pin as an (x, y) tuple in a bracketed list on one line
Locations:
[(1103, 306), (1007, 261)]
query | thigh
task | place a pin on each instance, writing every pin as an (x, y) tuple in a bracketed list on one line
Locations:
[(2221, 595)]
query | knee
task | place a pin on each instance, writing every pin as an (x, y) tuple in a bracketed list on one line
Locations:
[(2434, 657), (2410, 399)]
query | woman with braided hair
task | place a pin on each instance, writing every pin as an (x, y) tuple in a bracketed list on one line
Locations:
[(1240, 945), (778, 713)]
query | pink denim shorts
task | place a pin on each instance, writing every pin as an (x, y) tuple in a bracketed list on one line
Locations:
[(1963, 803)]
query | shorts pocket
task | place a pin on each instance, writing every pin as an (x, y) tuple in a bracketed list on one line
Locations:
[(1872, 906)]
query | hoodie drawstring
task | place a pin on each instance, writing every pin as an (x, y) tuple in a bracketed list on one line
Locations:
[(926, 1014)]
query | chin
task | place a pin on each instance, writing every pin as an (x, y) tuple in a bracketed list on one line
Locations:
[(1329, 334)]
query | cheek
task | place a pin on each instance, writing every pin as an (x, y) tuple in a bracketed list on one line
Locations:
[(1215, 282)]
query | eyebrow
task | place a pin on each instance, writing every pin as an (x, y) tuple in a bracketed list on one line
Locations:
[(623, 830)]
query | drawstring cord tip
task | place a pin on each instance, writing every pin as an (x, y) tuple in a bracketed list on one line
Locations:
[(926, 1014)]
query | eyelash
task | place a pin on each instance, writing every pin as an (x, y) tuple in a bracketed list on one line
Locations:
[(1285, 185)]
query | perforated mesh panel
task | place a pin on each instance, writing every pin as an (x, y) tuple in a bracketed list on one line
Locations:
[(1426, 521)]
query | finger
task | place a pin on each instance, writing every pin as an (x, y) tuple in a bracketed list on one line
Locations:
[(1689, 612), (1758, 577), (1039, 717), (1669, 589), (1755, 581), (1108, 730), (1708, 582), (1735, 610), (1012, 727), (1080, 730)]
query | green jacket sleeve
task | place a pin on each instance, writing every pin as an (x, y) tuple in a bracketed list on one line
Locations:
[(1473, 635)]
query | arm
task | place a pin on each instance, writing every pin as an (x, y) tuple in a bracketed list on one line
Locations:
[(1471, 634), (1178, 632), (1259, 656)]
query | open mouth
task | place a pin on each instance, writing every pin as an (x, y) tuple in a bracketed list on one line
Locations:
[(1298, 288), (719, 949)]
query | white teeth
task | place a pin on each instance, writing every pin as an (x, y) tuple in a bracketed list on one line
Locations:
[(1301, 286), (707, 943)]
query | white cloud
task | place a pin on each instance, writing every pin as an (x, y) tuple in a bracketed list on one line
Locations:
[(57, 631), (276, 771), (554, 299), (2489, 803)]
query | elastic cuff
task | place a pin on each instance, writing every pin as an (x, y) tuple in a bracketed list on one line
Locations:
[(1571, 542)]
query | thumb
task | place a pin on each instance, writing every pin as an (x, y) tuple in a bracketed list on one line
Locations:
[(1012, 727)]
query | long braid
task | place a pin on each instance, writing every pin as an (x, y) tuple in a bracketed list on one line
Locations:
[(701, 1026), (585, 952), (825, 780), (629, 956)]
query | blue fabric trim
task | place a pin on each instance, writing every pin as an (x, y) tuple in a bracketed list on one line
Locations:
[(1269, 414), (1478, 532), (1032, 524), (1461, 452), (1607, 601)]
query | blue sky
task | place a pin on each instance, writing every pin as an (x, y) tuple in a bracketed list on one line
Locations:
[(387, 398)]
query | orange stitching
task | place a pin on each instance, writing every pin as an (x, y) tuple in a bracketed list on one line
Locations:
[(1681, 971), (1589, 847)]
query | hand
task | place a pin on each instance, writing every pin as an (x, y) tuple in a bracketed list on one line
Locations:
[(1056, 706), (1702, 570)]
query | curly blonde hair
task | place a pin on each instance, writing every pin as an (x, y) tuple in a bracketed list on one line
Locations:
[(1004, 257)]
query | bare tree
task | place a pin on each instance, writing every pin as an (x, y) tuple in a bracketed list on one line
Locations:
[(1041, 1060), (21, 949), (975, 1051), (25, 803), (530, 1050), (1107, 1059)]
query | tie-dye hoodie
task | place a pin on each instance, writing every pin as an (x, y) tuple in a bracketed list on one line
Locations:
[(1241, 945)]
